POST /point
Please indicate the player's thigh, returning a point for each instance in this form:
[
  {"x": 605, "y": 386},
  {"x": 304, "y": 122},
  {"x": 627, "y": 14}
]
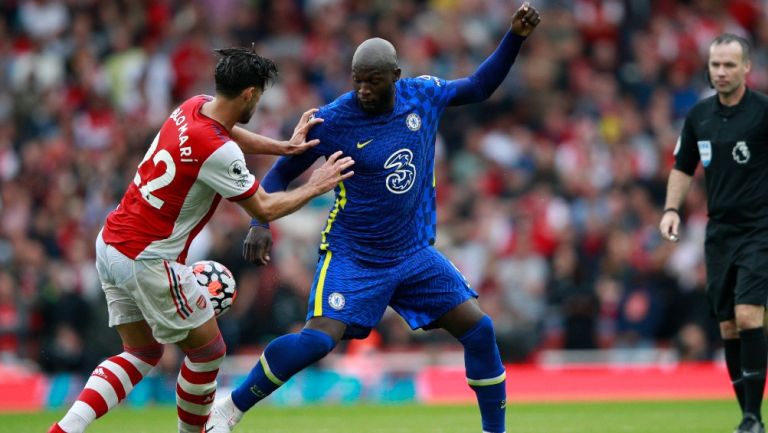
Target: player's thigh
[
  {"x": 113, "y": 269},
  {"x": 721, "y": 271},
  {"x": 347, "y": 291},
  {"x": 136, "y": 334},
  {"x": 430, "y": 287},
  {"x": 200, "y": 336}
]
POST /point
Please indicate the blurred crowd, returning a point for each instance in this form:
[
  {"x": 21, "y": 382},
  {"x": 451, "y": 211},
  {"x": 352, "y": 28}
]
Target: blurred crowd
[{"x": 549, "y": 193}]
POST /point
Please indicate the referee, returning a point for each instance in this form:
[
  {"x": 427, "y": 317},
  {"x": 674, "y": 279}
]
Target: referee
[{"x": 728, "y": 133}]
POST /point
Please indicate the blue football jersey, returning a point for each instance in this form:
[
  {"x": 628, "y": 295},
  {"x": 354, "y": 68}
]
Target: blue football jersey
[{"x": 386, "y": 211}]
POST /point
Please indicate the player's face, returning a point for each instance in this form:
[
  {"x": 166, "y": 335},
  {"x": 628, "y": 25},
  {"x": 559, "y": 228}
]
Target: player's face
[
  {"x": 727, "y": 67},
  {"x": 250, "y": 97},
  {"x": 374, "y": 88}
]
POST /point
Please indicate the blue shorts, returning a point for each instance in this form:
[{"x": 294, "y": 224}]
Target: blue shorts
[{"x": 421, "y": 288}]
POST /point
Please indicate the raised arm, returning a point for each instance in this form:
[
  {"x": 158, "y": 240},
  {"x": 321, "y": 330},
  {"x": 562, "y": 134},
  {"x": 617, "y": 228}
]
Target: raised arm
[{"x": 486, "y": 79}]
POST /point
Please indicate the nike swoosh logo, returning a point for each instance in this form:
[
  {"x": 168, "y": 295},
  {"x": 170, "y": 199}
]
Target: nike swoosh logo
[
  {"x": 363, "y": 144},
  {"x": 207, "y": 429}
]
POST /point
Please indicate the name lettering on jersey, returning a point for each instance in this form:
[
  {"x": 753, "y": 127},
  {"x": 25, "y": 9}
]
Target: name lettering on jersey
[
  {"x": 430, "y": 77},
  {"x": 741, "y": 152},
  {"x": 363, "y": 144},
  {"x": 182, "y": 125},
  {"x": 413, "y": 121}
]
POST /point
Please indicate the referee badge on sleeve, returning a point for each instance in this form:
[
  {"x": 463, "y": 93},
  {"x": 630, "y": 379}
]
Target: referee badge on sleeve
[{"x": 705, "y": 151}]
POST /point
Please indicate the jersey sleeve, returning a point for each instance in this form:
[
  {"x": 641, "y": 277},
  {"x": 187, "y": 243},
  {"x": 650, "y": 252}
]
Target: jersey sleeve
[
  {"x": 322, "y": 132},
  {"x": 436, "y": 89},
  {"x": 686, "y": 151},
  {"x": 226, "y": 173},
  {"x": 489, "y": 75}
]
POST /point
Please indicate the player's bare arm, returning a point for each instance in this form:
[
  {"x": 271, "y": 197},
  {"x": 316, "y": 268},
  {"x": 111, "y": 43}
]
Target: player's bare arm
[
  {"x": 677, "y": 189},
  {"x": 267, "y": 207},
  {"x": 525, "y": 19},
  {"x": 252, "y": 143}
]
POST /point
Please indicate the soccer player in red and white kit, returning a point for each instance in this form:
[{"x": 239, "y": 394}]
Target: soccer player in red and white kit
[{"x": 194, "y": 161}]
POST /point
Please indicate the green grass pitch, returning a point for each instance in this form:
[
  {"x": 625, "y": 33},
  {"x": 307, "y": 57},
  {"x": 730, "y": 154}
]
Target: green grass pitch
[{"x": 623, "y": 417}]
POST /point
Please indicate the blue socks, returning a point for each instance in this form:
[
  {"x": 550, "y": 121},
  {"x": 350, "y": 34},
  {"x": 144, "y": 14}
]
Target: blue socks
[
  {"x": 282, "y": 358},
  {"x": 486, "y": 375},
  {"x": 289, "y": 354}
]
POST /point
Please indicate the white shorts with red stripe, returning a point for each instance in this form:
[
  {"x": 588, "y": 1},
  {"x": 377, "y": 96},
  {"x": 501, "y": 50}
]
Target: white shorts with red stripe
[{"x": 162, "y": 292}]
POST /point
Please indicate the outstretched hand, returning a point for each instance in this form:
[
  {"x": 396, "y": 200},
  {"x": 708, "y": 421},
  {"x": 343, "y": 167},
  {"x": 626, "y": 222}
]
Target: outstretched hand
[
  {"x": 525, "y": 20},
  {"x": 333, "y": 171},
  {"x": 257, "y": 245},
  {"x": 298, "y": 144}
]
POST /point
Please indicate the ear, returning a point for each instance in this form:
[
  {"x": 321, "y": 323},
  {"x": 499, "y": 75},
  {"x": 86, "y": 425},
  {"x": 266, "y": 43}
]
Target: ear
[
  {"x": 396, "y": 74},
  {"x": 748, "y": 66},
  {"x": 248, "y": 93}
]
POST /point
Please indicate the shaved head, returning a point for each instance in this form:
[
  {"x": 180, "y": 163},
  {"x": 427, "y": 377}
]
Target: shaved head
[
  {"x": 375, "y": 53},
  {"x": 374, "y": 74}
]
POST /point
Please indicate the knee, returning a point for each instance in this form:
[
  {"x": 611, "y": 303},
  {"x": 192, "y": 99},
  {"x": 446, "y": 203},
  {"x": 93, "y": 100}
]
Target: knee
[
  {"x": 210, "y": 354},
  {"x": 728, "y": 330},
  {"x": 150, "y": 354},
  {"x": 749, "y": 316},
  {"x": 481, "y": 336},
  {"x": 316, "y": 344}
]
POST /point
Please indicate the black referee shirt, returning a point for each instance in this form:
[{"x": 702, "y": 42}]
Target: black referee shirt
[{"x": 732, "y": 145}]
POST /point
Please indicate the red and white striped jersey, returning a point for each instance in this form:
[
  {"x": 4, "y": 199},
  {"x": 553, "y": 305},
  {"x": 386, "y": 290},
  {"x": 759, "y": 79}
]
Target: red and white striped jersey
[{"x": 190, "y": 165}]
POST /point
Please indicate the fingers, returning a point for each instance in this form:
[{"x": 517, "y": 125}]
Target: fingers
[
  {"x": 264, "y": 259},
  {"x": 669, "y": 230},
  {"x": 308, "y": 125},
  {"x": 257, "y": 253},
  {"x": 528, "y": 15},
  {"x": 306, "y": 116},
  {"x": 332, "y": 159},
  {"x": 249, "y": 252},
  {"x": 344, "y": 163}
]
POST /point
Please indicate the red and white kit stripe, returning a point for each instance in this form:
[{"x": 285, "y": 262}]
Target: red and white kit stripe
[
  {"x": 191, "y": 164},
  {"x": 196, "y": 385},
  {"x": 108, "y": 385}
]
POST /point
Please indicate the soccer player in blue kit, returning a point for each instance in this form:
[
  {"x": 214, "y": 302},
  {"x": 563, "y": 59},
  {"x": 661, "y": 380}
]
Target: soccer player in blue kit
[{"x": 376, "y": 249}]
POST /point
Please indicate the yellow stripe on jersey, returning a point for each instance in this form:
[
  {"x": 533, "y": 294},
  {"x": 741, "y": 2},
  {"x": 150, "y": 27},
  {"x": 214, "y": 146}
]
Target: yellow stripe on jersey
[
  {"x": 268, "y": 372},
  {"x": 341, "y": 201},
  {"x": 487, "y": 382},
  {"x": 321, "y": 284}
]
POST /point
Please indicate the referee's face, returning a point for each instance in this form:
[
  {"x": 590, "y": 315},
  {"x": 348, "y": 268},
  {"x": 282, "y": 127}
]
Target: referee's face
[{"x": 727, "y": 67}]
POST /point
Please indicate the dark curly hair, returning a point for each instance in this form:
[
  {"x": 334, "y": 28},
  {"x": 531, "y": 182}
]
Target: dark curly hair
[{"x": 240, "y": 68}]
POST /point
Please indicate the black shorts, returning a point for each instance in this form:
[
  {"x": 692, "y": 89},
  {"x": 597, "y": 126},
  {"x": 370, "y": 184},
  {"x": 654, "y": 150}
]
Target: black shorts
[{"x": 737, "y": 267}]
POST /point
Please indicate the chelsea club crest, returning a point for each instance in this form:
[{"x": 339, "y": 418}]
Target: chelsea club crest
[
  {"x": 336, "y": 301},
  {"x": 413, "y": 121}
]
